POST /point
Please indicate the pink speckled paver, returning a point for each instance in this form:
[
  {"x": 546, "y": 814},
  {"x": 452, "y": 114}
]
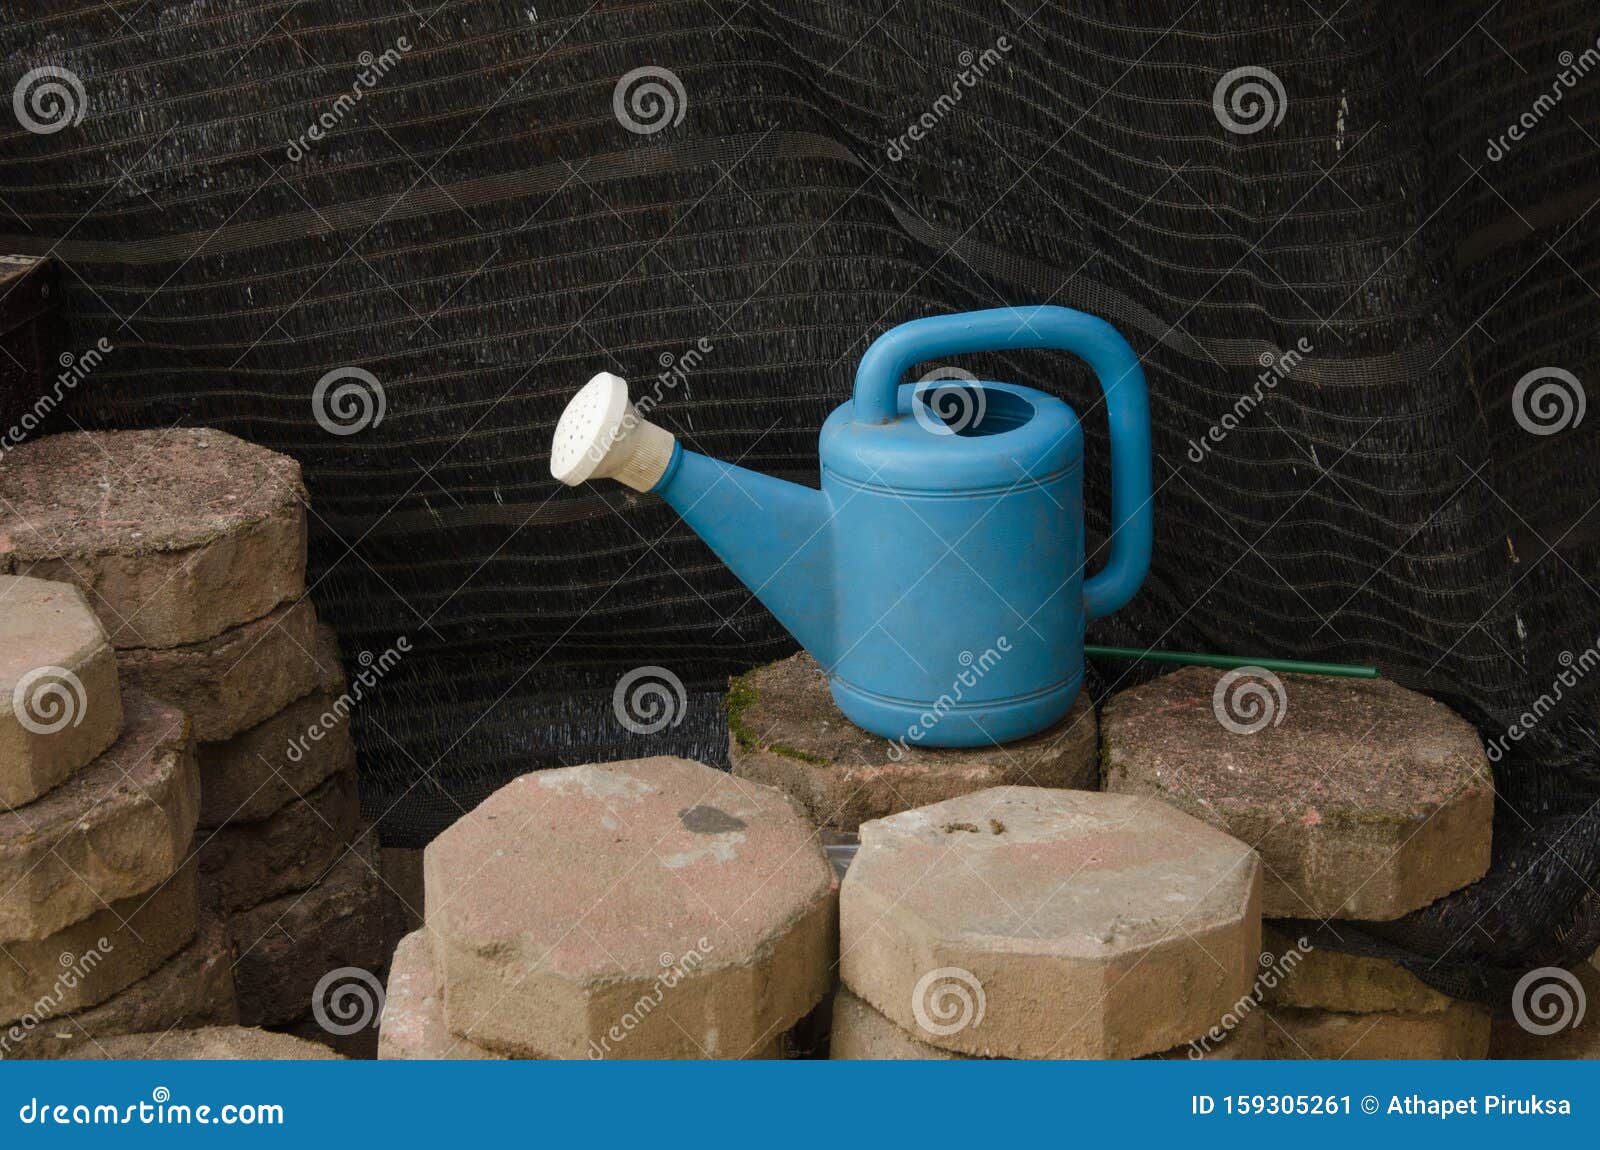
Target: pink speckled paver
[
  {"x": 652, "y": 908},
  {"x": 1024, "y": 922}
]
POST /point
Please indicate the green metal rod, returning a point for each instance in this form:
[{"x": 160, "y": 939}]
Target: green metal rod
[{"x": 1199, "y": 659}]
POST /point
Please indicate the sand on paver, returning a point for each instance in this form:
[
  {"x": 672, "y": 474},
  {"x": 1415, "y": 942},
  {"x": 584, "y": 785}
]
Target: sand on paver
[
  {"x": 174, "y": 536},
  {"x": 208, "y": 1044}
]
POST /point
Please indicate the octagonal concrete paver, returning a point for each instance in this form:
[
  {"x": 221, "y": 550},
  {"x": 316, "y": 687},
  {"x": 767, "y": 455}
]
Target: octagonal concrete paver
[
  {"x": 175, "y": 535},
  {"x": 1021, "y": 922},
  {"x": 59, "y": 701},
  {"x": 784, "y": 730},
  {"x": 651, "y": 908},
  {"x": 117, "y": 828},
  {"x": 1365, "y": 800}
]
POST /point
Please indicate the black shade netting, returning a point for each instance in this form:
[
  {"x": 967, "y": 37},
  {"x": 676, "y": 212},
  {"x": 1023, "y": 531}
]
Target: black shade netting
[{"x": 481, "y": 232}]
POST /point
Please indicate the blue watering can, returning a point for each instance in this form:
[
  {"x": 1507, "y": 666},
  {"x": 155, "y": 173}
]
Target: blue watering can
[{"x": 937, "y": 576}]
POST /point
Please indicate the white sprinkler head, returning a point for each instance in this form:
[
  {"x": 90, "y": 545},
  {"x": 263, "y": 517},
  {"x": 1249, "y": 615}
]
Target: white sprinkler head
[{"x": 601, "y": 435}]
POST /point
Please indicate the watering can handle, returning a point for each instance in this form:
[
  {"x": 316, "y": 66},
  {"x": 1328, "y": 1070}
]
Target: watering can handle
[{"x": 1127, "y": 408}]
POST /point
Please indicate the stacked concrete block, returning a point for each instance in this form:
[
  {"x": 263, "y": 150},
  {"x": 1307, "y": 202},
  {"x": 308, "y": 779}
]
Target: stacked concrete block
[
  {"x": 651, "y": 908},
  {"x": 190, "y": 545},
  {"x": 96, "y": 895},
  {"x": 1365, "y": 801},
  {"x": 1028, "y": 922},
  {"x": 861, "y": 1033},
  {"x": 784, "y": 730}
]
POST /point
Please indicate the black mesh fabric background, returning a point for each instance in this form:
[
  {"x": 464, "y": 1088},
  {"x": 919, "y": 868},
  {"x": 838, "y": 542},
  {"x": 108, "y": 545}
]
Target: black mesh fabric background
[{"x": 481, "y": 233}]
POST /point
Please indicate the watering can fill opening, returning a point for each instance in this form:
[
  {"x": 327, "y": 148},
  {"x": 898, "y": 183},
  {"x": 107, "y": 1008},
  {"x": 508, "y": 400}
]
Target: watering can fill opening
[{"x": 937, "y": 574}]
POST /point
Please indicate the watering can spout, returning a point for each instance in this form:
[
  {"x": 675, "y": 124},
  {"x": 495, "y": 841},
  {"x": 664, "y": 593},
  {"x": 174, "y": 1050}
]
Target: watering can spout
[{"x": 774, "y": 535}]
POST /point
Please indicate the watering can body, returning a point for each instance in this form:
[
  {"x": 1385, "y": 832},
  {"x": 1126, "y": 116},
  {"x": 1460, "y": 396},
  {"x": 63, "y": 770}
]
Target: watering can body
[{"x": 938, "y": 574}]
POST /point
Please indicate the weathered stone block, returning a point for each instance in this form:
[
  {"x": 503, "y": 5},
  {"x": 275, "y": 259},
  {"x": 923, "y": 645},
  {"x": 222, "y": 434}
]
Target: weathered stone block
[
  {"x": 1024, "y": 922},
  {"x": 94, "y": 958},
  {"x": 59, "y": 701},
  {"x": 652, "y": 908},
  {"x": 784, "y": 730},
  {"x": 174, "y": 535},
  {"x": 116, "y": 828},
  {"x": 193, "y": 988},
  {"x": 209, "y": 1044},
  {"x": 235, "y": 680},
  {"x": 249, "y": 863},
  {"x": 1462, "y": 1031},
  {"x": 288, "y": 944},
  {"x": 1365, "y": 800},
  {"x": 284, "y": 757}
]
